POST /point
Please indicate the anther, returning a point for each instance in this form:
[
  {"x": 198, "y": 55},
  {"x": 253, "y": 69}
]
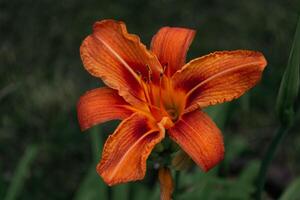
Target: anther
[
  {"x": 145, "y": 79},
  {"x": 149, "y": 69},
  {"x": 138, "y": 73},
  {"x": 161, "y": 74}
]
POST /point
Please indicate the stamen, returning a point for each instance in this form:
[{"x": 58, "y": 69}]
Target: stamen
[
  {"x": 165, "y": 67},
  {"x": 147, "y": 89},
  {"x": 138, "y": 73},
  {"x": 167, "y": 87},
  {"x": 149, "y": 74},
  {"x": 161, "y": 75},
  {"x": 146, "y": 93},
  {"x": 118, "y": 57},
  {"x": 143, "y": 84}
]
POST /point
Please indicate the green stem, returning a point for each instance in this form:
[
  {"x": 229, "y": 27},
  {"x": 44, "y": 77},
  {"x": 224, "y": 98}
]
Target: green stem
[
  {"x": 97, "y": 143},
  {"x": 109, "y": 193},
  {"x": 130, "y": 194},
  {"x": 261, "y": 179},
  {"x": 176, "y": 184}
]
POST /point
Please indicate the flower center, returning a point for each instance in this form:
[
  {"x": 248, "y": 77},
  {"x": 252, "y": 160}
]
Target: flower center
[
  {"x": 163, "y": 100},
  {"x": 173, "y": 113}
]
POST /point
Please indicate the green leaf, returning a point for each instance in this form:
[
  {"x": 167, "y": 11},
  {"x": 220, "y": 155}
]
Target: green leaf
[
  {"x": 120, "y": 191},
  {"x": 289, "y": 86},
  {"x": 143, "y": 192},
  {"x": 234, "y": 147},
  {"x": 21, "y": 173},
  {"x": 245, "y": 102},
  {"x": 293, "y": 191},
  {"x": 218, "y": 113},
  {"x": 154, "y": 195},
  {"x": 2, "y": 184},
  {"x": 249, "y": 173},
  {"x": 92, "y": 187},
  {"x": 97, "y": 143},
  {"x": 208, "y": 186}
]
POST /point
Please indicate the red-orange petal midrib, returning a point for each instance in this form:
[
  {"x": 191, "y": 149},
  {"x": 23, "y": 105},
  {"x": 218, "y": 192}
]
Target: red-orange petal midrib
[
  {"x": 199, "y": 137},
  {"x": 101, "y": 105},
  {"x": 219, "y": 77},
  {"x": 115, "y": 72},
  {"x": 205, "y": 67},
  {"x": 119, "y": 59},
  {"x": 225, "y": 88},
  {"x": 171, "y": 44},
  {"x": 126, "y": 151}
]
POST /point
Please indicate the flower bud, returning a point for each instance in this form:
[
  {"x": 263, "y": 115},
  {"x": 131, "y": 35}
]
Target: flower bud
[{"x": 289, "y": 86}]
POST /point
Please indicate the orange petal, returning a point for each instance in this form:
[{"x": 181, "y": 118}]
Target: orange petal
[
  {"x": 127, "y": 149},
  {"x": 100, "y": 105},
  {"x": 171, "y": 45},
  {"x": 166, "y": 183},
  {"x": 119, "y": 58},
  {"x": 200, "y": 138},
  {"x": 219, "y": 77}
]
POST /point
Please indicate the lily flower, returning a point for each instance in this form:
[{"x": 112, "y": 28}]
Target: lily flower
[{"x": 157, "y": 95}]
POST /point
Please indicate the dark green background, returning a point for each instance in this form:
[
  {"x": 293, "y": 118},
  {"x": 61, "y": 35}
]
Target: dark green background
[{"x": 42, "y": 77}]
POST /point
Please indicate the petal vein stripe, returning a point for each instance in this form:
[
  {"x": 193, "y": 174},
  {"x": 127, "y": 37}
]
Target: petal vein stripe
[
  {"x": 101, "y": 105},
  {"x": 200, "y": 138},
  {"x": 127, "y": 149}
]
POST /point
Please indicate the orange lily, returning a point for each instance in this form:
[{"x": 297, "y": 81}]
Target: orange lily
[{"x": 154, "y": 90}]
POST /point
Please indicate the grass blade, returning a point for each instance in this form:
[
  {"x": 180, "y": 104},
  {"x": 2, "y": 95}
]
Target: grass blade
[
  {"x": 21, "y": 172},
  {"x": 292, "y": 192},
  {"x": 92, "y": 187},
  {"x": 97, "y": 143}
]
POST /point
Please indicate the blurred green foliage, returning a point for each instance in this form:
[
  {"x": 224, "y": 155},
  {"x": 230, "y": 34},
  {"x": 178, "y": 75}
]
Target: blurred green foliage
[
  {"x": 19, "y": 177},
  {"x": 41, "y": 79}
]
